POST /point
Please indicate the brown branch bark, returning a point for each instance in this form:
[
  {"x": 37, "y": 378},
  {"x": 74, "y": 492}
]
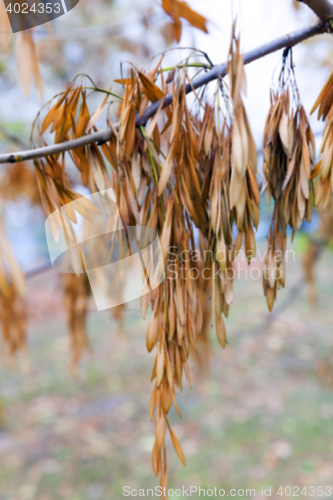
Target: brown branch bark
[
  {"x": 322, "y": 8},
  {"x": 217, "y": 71}
]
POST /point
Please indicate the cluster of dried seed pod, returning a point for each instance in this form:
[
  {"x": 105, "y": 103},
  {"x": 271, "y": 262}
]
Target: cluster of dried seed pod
[
  {"x": 289, "y": 150},
  {"x": 323, "y": 186},
  {"x": 184, "y": 175},
  {"x": 20, "y": 180},
  {"x": 13, "y": 322},
  {"x": 12, "y": 292},
  {"x": 234, "y": 193},
  {"x": 243, "y": 148},
  {"x": 76, "y": 296},
  {"x": 324, "y": 168},
  {"x": 190, "y": 174},
  {"x": 243, "y": 187},
  {"x": 288, "y": 160}
]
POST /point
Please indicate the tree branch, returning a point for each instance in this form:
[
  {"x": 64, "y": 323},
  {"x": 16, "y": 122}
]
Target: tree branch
[
  {"x": 322, "y": 8},
  {"x": 220, "y": 70}
]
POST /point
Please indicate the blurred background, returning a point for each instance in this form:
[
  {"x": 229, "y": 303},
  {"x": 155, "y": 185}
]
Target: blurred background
[{"x": 262, "y": 414}]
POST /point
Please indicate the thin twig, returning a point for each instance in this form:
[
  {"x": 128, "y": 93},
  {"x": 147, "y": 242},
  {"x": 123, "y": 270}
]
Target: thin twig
[{"x": 220, "y": 70}]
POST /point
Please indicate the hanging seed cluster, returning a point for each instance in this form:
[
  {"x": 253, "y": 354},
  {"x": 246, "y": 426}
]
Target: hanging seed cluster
[
  {"x": 17, "y": 180},
  {"x": 324, "y": 186},
  {"x": 288, "y": 149},
  {"x": 20, "y": 180},
  {"x": 243, "y": 189},
  {"x": 234, "y": 194},
  {"x": 76, "y": 296},
  {"x": 190, "y": 174},
  {"x": 12, "y": 292}
]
